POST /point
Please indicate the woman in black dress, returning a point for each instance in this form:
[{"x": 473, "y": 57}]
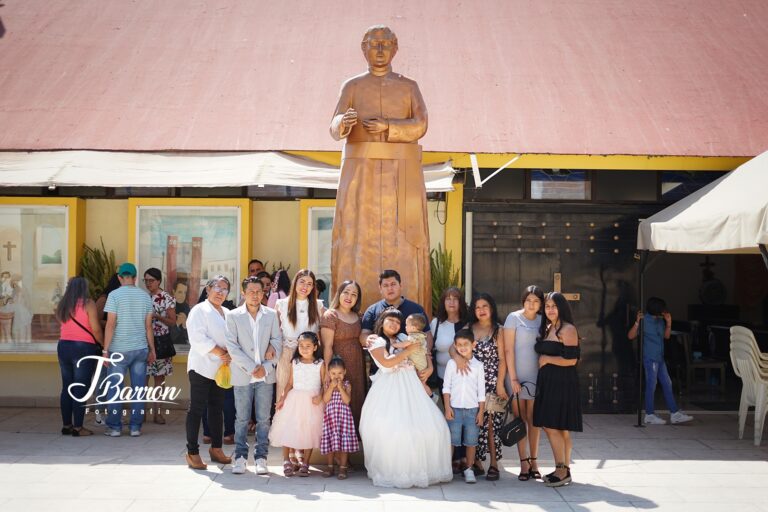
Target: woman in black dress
[{"x": 558, "y": 404}]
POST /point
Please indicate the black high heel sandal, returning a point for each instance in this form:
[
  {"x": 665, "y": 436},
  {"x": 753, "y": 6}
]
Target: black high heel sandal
[
  {"x": 555, "y": 481},
  {"x": 533, "y": 473},
  {"x": 524, "y": 477}
]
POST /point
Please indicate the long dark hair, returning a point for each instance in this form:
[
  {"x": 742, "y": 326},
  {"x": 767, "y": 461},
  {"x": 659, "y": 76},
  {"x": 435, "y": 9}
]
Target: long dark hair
[
  {"x": 112, "y": 285},
  {"x": 314, "y": 313},
  {"x": 442, "y": 314},
  {"x": 75, "y": 295},
  {"x": 564, "y": 314},
  {"x": 316, "y": 355},
  {"x": 337, "y": 298},
  {"x": 281, "y": 282},
  {"x": 494, "y": 312}
]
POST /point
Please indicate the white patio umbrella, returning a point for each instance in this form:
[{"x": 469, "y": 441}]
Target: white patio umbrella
[{"x": 730, "y": 215}]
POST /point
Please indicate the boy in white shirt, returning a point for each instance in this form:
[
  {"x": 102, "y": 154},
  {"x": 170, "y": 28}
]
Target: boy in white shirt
[{"x": 464, "y": 398}]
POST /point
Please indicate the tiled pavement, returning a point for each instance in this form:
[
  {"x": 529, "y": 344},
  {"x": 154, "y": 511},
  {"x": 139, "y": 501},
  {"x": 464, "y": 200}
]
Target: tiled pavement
[{"x": 698, "y": 467}]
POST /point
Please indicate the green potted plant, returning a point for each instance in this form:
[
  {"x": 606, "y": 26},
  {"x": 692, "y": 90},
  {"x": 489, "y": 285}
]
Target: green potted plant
[
  {"x": 97, "y": 266},
  {"x": 443, "y": 273}
]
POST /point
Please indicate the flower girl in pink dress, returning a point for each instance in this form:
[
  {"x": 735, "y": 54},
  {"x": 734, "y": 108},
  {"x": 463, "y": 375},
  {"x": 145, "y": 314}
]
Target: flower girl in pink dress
[{"x": 298, "y": 422}]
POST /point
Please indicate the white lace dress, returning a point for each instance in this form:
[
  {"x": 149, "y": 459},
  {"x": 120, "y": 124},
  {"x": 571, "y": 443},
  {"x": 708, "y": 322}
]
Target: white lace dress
[{"x": 405, "y": 436}]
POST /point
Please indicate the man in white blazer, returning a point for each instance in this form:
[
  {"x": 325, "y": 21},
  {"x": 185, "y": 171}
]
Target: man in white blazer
[{"x": 254, "y": 342}]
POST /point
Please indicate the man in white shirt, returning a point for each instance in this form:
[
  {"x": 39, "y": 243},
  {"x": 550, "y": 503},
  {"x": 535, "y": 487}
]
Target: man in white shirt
[
  {"x": 254, "y": 341},
  {"x": 464, "y": 398}
]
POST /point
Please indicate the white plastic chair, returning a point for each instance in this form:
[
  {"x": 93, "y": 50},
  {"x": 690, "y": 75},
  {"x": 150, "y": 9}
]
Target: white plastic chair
[
  {"x": 754, "y": 389},
  {"x": 760, "y": 359},
  {"x": 749, "y": 336}
]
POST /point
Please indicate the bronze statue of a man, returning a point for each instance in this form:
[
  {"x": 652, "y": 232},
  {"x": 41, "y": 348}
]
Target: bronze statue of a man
[{"x": 381, "y": 208}]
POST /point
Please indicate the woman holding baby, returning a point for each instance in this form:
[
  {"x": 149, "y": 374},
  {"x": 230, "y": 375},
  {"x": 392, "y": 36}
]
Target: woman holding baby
[{"x": 405, "y": 438}]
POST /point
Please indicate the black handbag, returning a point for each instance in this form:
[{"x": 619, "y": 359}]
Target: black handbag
[
  {"x": 514, "y": 431},
  {"x": 164, "y": 348}
]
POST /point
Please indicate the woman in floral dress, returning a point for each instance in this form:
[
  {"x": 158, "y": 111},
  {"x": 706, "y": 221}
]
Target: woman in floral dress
[
  {"x": 163, "y": 317},
  {"x": 484, "y": 322}
]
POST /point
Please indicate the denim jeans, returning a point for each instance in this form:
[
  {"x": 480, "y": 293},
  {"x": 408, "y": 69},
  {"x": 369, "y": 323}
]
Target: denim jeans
[
  {"x": 70, "y": 353},
  {"x": 229, "y": 415},
  {"x": 257, "y": 395},
  {"x": 464, "y": 419},
  {"x": 657, "y": 371},
  {"x": 135, "y": 364}
]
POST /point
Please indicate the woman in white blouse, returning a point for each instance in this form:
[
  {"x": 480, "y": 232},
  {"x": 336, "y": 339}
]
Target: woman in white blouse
[
  {"x": 206, "y": 327},
  {"x": 299, "y": 312},
  {"x": 450, "y": 318}
]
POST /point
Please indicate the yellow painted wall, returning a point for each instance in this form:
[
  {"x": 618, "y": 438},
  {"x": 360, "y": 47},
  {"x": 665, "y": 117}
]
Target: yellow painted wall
[
  {"x": 108, "y": 219},
  {"x": 436, "y": 215},
  {"x": 276, "y": 233}
]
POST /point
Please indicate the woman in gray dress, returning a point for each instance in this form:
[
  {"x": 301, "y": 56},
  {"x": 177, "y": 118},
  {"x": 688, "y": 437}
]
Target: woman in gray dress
[{"x": 520, "y": 332}]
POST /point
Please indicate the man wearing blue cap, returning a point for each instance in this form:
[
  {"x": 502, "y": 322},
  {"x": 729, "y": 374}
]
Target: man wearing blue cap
[{"x": 128, "y": 332}]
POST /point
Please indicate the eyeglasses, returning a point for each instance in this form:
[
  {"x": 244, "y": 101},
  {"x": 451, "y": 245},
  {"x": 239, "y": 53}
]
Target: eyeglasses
[{"x": 219, "y": 289}]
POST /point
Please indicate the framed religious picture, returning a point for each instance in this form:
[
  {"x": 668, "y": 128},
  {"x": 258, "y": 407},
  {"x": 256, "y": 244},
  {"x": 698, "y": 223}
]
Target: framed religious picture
[
  {"x": 39, "y": 238},
  {"x": 190, "y": 241}
]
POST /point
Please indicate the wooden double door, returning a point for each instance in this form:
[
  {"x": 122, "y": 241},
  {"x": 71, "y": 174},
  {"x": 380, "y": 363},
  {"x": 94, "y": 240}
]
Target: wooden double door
[{"x": 590, "y": 250}]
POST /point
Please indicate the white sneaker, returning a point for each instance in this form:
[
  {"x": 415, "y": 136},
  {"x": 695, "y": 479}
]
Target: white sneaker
[
  {"x": 112, "y": 432},
  {"x": 680, "y": 417},
  {"x": 652, "y": 419},
  {"x": 469, "y": 476},
  {"x": 261, "y": 467},
  {"x": 238, "y": 468},
  {"x": 135, "y": 432}
]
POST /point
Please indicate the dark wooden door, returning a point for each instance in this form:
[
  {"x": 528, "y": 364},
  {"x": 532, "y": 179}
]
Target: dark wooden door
[{"x": 592, "y": 248}]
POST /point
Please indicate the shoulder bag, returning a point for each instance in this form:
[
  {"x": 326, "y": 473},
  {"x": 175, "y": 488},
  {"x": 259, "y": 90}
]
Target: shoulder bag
[
  {"x": 164, "y": 348},
  {"x": 514, "y": 431}
]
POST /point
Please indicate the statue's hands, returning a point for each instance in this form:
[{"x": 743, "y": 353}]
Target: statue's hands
[
  {"x": 375, "y": 125},
  {"x": 349, "y": 119}
]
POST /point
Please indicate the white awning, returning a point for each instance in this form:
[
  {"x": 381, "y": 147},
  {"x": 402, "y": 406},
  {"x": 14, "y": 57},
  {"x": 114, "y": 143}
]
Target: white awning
[
  {"x": 729, "y": 215},
  {"x": 124, "y": 169}
]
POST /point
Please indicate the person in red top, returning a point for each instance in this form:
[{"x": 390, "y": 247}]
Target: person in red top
[{"x": 80, "y": 336}]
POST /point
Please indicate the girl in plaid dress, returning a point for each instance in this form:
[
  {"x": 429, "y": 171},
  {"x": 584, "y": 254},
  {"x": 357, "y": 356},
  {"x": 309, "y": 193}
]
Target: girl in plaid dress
[{"x": 339, "y": 436}]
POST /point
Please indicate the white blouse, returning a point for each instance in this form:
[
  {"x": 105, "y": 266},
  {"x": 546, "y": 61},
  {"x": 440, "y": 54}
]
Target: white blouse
[
  {"x": 207, "y": 329},
  {"x": 443, "y": 343},
  {"x": 291, "y": 332}
]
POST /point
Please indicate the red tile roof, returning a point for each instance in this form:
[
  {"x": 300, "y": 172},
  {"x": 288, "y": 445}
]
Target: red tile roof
[{"x": 650, "y": 77}]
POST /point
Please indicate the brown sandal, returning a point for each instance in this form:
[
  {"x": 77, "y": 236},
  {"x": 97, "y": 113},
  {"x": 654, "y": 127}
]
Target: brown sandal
[
  {"x": 342, "y": 472},
  {"x": 329, "y": 472},
  {"x": 304, "y": 470},
  {"x": 288, "y": 468}
]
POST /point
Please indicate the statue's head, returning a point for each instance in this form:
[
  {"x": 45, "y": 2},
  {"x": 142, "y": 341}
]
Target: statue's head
[{"x": 379, "y": 46}]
